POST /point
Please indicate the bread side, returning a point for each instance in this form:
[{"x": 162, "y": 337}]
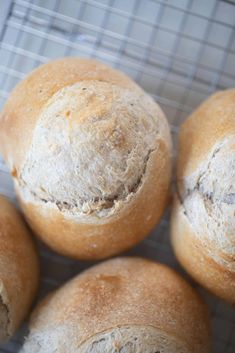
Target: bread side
[
  {"x": 203, "y": 222},
  {"x": 197, "y": 257},
  {"x": 206, "y": 174},
  {"x": 19, "y": 269},
  {"x": 208, "y": 198}
]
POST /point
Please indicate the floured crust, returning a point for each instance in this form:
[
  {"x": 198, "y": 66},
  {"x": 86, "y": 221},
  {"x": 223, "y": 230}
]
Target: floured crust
[
  {"x": 208, "y": 197},
  {"x": 80, "y": 139},
  {"x": 124, "y": 339},
  {"x": 97, "y": 238},
  {"x": 128, "y": 303},
  {"x": 90, "y": 148},
  {"x": 198, "y": 258},
  {"x": 19, "y": 269},
  {"x": 129, "y": 339},
  {"x": 205, "y": 203}
]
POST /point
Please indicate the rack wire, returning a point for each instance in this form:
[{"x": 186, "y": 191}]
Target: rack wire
[{"x": 179, "y": 51}]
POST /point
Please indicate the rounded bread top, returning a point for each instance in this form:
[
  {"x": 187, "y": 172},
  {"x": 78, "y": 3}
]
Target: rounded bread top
[
  {"x": 25, "y": 104},
  {"x": 120, "y": 298}
]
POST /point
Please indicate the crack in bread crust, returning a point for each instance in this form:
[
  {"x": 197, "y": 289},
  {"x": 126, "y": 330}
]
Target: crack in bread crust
[
  {"x": 123, "y": 339},
  {"x": 208, "y": 200},
  {"x": 133, "y": 338},
  {"x": 228, "y": 198},
  {"x": 106, "y": 202}
]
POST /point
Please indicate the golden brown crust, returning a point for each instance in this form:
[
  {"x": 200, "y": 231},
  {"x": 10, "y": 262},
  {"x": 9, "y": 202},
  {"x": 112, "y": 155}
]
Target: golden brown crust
[
  {"x": 206, "y": 126},
  {"x": 19, "y": 267},
  {"x": 118, "y": 293},
  {"x": 105, "y": 238},
  {"x": 195, "y": 258}
]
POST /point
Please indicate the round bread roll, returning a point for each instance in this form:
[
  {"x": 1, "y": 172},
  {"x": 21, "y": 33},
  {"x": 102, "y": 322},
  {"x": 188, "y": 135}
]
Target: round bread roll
[
  {"x": 125, "y": 305},
  {"x": 19, "y": 269},
  {"x": 203, "y": 216},
  {"x": 90, "y": 154}
]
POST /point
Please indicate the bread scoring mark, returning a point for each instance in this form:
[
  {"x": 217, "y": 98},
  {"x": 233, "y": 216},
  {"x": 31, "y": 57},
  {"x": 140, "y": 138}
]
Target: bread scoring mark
[
  {"x": 102, "y": 203},
  {"x": 228, "y": 198},
  {"x": 187, "y": 192},
  {"x": 95, "y": 161},
  {"x": 133, "y": 338},
  {"x": 207, "y": 198},
  {"x": 120, "y": 339}
]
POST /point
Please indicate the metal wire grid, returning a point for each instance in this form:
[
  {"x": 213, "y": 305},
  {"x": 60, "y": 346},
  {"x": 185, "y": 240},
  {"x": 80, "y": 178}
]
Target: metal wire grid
[{"x": 179, "y": 51}]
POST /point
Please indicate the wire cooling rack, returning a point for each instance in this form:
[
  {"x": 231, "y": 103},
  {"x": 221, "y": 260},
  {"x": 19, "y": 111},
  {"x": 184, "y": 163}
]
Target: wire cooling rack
[{"x": 179, "y": 51}]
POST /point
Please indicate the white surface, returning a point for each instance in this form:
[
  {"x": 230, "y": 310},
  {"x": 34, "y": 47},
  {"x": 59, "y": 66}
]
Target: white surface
[{"x": 178, "y": 50}]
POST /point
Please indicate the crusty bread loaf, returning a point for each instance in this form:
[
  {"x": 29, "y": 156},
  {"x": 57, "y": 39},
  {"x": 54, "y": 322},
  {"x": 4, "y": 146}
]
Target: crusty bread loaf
[
  {"x": 203, "y": 216},
  {"x": 90, "y": 154},
  {"x": 125, "y": 305},
  {"x": 19, "y": 269}
]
